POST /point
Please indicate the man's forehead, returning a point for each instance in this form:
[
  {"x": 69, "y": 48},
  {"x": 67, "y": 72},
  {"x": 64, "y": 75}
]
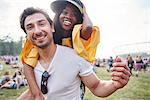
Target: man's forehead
[{"x": 34, "y": 18}]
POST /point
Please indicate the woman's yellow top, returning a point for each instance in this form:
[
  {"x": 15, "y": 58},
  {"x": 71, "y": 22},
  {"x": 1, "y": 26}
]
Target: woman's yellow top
[{"x": 85, "y": 48}]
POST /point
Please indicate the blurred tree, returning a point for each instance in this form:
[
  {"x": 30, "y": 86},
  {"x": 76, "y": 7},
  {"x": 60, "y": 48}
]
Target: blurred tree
[{"x": 9, "y": 47}]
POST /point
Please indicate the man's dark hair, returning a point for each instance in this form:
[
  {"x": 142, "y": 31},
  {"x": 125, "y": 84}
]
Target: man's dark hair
[{"x": 30, "y": 11}]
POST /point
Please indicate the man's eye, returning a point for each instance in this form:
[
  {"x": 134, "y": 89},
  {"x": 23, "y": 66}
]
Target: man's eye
[
  {"x": 42, "y": 23},
  {"x": 29, "y": 27}
]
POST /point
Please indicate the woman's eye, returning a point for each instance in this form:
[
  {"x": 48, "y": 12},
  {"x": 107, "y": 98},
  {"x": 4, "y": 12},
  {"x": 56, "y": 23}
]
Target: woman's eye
[
  {"x": 75, "y": 14},
  {"x": 65, "y": 12}
]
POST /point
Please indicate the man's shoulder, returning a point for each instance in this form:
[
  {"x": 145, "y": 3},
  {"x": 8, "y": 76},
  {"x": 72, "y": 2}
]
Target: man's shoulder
[
  {"x": 67, "y": 51},
  {"x": 70, "y": 55}
]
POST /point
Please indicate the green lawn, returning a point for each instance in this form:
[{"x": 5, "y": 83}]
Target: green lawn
[{"x": 138, "y": 88}]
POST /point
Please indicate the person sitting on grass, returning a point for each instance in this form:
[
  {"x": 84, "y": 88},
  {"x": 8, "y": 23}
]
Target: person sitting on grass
[
  {"x": 11, "y": 84},
  {"x": 5, "y": 78}
]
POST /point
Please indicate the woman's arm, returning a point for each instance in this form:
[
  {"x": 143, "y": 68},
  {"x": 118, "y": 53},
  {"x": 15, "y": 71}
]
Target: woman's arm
[
  {"x": 86, "y": 26},
  {"x": 29, "y": 74}
]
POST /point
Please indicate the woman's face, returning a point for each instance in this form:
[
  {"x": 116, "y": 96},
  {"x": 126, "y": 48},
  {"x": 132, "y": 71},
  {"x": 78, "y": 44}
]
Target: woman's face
[{"x": 68, "y": 18}]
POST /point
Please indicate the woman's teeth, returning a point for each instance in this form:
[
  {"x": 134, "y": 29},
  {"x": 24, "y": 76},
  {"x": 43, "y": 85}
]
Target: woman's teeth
[{"x": 66, "y": 22}]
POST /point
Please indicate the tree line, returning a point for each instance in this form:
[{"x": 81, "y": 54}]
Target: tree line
[{"x": 10, "y": 47}]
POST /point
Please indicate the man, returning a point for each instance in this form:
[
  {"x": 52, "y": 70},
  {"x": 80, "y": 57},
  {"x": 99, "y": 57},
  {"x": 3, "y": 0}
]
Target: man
[
  {"x": 110, "y": 64},
  {"x": 60, "y": 70}
]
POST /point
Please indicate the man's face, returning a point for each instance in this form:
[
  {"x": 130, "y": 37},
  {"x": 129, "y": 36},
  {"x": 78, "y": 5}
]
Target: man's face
[
  {"x": 38, "y": 30},
  {"x": 68, "y": 18}
]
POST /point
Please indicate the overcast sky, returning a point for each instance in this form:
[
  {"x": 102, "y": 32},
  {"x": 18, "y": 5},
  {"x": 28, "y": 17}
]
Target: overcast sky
[{"x": 121, "y": 22}]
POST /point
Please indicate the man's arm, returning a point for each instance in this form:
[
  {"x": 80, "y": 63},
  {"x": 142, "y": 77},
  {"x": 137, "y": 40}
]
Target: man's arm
[
  {"x": 101, "y": 88},
  {"x": 29, "y": 74}
]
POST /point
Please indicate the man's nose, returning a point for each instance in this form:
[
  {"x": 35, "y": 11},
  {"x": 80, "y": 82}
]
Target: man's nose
[{"x": 37, "y": 29}]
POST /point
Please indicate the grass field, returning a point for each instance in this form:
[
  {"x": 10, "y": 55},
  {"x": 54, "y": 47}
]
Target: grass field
[{"x": 138, "y": 88}]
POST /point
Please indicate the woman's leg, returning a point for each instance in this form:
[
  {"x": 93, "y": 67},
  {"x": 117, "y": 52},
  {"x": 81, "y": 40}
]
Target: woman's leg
[{"x": 27, "y": 95}]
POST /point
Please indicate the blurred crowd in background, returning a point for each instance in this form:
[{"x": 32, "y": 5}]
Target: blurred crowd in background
[
  {"x": 136, "y": 63},
  {"x": 16, "y": 79},
  {"x": 11, "y": 79}
]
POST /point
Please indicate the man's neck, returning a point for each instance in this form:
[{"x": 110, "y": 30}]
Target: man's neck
[{"x": 46, "y": 55}]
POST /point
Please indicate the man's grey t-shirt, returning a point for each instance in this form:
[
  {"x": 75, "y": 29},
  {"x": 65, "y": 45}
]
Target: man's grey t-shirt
[{"x": 65, "y": 70}]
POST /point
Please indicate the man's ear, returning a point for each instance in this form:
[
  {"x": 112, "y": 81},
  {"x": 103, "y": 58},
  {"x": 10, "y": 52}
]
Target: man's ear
[
  {"x": 28, "y": 38},
  {"x": 53, "y": 29}
]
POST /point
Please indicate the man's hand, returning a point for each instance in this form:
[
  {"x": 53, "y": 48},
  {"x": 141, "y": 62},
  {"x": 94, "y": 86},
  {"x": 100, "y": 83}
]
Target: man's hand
[
  {"x": 39, "y": 97},
  {"x": 120, "y": 74}
]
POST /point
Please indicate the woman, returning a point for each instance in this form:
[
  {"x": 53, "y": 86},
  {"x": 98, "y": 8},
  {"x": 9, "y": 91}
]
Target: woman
[
  {"x": 73, "y": 28},
  {"x": 130, "y": 63},
  {"x": 138, "y": 64}
]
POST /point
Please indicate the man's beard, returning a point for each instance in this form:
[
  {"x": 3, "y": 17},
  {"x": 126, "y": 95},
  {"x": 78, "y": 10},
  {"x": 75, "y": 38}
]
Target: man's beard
[{"x": 42, "y": 46}]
